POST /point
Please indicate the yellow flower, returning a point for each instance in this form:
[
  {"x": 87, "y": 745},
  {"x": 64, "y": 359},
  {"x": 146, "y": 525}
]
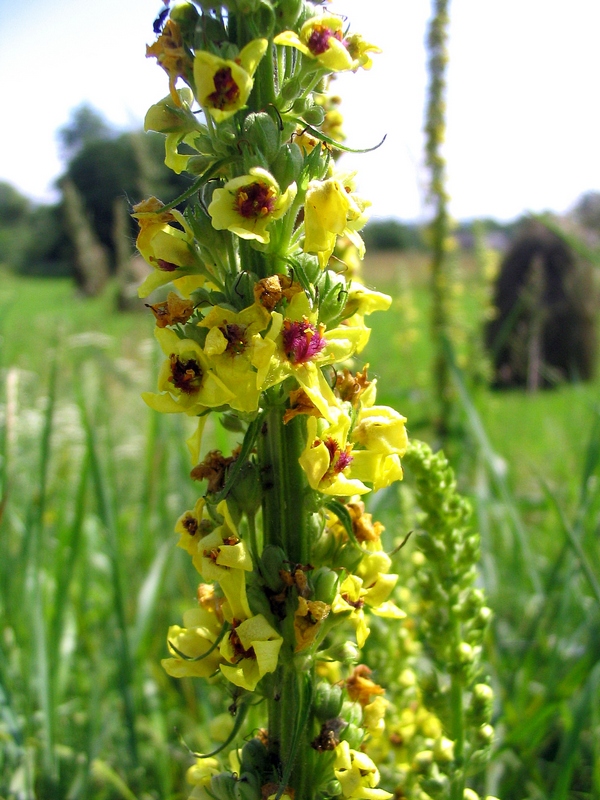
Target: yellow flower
[
  {"x": 192, "y": 526},
  {"x": 168, "y": 249},
  {"x": 359, "y": 49},
  {"x": 178, "y": 123},
  {"x": 357, "y": 774},
  {"x": 247, "y": 205},
  {"x": 201, "y": 629},
  {"x": 237, "y": 351},
  {"x": 252, "y": 648},
  {"x": 381, "y": 429},
  {"x": 202, "y": 771},
  {"x": 327, "y": 459},
  {"x": 185, "y": 382},
  {"x": 354, "y": 595},
  {"x": 223, "y": 86},
  {"x": 222, "y": 556},
  {"x": 321, "y": 38},
  {"x": 374, "y": 716},
  {"x": 332, "y": 209},
  {"x": 303, "y": 348}
]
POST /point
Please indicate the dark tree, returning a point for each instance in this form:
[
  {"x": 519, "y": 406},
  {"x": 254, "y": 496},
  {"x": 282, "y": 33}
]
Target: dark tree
[{"x": 544, "y": 330}]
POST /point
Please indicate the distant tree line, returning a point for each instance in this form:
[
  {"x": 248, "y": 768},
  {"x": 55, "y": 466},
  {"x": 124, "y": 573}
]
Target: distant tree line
[{"x": 102, "y": 165}]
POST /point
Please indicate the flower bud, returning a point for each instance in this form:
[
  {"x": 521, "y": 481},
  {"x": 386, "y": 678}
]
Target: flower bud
[
  {"x": 246, "y": 491},
  {"x": 166, "y": 117},
  {"x": 290, "y": 90},
  {"x": 196, "y": 165},
  {"x": 353, "y": 735},
  {"x": 247, "y": 787},
  {"x": 485, "y": 735},
  {"x": 347, "y": 652},
  {"x": 254, "y": 756},
  {"x": 443, "y": 750},
  {"x": 262, "y": 134},
  {"x": 351, "y": 712},
  {"x": 482, "y": 700},
  {"x": 326, "y": 583},
  {"x": 334, "y": 788},
  {"x": 328, "y": 701},
  {"x": 287, "y": 15},
  {"x": 435, "y": 786},
  {"x": 222, "y": 786},
  {"x": 333, "y": 294},
  {"x": 314, "y": 115},
  {"x": 469, "y": 794},
  {"x": 287, "y": 165},
  {"x": 407, "y": 678},
  {"x": 434, "y": 549},
  {"x": 422, "y": 762}
]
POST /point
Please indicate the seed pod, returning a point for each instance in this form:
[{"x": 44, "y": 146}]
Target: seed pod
[
  {"x": 328, "y": 701},
  {"x": 271, "y": 563}
]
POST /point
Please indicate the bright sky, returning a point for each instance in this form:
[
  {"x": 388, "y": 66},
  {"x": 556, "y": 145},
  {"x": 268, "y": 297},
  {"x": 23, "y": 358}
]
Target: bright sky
[{"x": 523, "y": 116}]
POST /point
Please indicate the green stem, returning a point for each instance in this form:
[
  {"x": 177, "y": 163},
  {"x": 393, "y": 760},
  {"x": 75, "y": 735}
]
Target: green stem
[
  {"x": 286, "y": 525},
  {"x": 285, "y": 489}
]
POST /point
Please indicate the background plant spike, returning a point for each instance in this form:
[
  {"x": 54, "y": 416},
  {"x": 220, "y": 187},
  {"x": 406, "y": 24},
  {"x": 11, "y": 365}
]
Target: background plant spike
[{"x": 294, "y": 573}]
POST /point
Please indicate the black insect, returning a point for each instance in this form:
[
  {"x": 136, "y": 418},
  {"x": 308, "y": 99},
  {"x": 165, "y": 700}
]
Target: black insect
[{"x": 160, "y": 20}]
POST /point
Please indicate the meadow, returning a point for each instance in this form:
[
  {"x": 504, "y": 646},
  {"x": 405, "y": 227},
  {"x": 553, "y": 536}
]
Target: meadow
[{"x": 91, "y": 483}]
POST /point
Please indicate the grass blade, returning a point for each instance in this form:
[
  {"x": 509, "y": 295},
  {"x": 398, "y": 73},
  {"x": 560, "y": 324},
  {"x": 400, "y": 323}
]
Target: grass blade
[{"x": 107, "y": 516}]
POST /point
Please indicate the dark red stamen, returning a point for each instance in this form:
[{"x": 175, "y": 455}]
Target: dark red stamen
[
  {"x": 191, "y": 525},
  {"x": 226, "y": 91},
  {"x": 318, "y": 41},
  {"x": 236, "y": 338},
  {"x": 255, "y": 200},
  {"x": 185, "y": 375}
]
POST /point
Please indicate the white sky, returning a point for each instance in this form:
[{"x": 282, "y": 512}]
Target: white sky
[{"x": 523, "y": 115}]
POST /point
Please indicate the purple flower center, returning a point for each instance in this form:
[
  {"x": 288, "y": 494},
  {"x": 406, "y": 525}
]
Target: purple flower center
[
  {"x": 301, "y": 340},
  {"x": 226, "y": 91},
  {"x": 338, "y": 459},
  {"x": 236, "y": 338},
  {"x": 255, "y": 200},
  {"x": 186, "y": 375},
  {"x": 318, "y": 41}
]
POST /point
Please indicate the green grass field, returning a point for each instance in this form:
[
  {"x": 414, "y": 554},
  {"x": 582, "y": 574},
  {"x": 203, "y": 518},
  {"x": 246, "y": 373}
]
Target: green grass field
[{"x": 91, "y": 483}]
